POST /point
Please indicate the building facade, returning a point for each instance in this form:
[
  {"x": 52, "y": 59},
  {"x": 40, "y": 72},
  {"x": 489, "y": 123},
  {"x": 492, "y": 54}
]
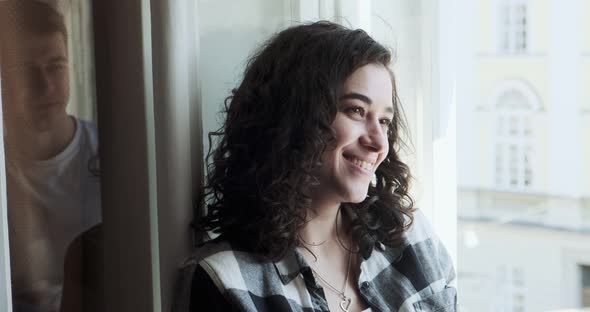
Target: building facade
[{"x": 523, "y": 154}]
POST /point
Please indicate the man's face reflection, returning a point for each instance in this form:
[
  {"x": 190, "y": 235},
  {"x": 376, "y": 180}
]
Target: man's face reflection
[{"x": 36, "y": 82}]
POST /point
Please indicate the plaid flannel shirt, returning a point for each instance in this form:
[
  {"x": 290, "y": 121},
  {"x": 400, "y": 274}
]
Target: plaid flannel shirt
[{"x": 418, "y": 276}]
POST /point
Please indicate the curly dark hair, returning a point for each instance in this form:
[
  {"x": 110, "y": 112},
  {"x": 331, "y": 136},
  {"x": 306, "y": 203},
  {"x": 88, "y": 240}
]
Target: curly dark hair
[{"x": 278, "y": 124}]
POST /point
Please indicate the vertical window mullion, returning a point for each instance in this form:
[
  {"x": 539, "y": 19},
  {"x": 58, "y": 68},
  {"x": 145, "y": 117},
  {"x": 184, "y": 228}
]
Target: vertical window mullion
[{"x": 5, "y": 279}]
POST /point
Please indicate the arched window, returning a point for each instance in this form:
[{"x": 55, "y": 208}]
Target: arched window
[{"x": 514, "y": 140}]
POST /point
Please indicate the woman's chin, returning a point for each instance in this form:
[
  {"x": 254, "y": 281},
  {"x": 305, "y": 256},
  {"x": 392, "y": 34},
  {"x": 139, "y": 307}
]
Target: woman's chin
[{"x": 357, "y": 197}]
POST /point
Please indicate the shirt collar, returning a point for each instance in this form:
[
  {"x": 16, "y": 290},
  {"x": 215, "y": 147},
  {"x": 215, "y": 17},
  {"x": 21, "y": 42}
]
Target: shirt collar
[{"x": 290, "y": 266}]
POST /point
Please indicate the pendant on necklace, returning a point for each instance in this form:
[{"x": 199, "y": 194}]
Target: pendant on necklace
[{"x": 345, "y": 303}]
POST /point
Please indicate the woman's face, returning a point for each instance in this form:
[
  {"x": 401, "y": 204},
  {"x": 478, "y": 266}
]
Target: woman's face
[{"x": 365, "y": 111}]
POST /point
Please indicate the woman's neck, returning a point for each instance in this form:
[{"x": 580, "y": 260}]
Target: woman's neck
[{"x": 324, "y": 224}]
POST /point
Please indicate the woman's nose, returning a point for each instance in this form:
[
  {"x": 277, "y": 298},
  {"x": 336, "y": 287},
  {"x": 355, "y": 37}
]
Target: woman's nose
[{"x": 375, "y": 137}]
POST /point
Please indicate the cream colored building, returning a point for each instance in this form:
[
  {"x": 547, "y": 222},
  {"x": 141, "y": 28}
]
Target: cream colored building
[{"x": 524, "y": 156}]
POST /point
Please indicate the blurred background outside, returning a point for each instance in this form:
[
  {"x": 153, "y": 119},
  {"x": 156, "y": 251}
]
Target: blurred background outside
[{"x": 523, "y": 133}]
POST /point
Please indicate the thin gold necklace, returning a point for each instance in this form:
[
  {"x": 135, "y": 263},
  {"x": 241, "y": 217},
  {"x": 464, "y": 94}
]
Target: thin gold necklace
[
  {"x": 346, "y": 301},
  {"x": 310, "y": 244}
]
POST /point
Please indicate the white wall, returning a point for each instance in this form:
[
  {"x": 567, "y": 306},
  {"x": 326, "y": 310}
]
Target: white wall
[
  {"x": 563, "y": 108},
  {"x": 549, "y": 260}
]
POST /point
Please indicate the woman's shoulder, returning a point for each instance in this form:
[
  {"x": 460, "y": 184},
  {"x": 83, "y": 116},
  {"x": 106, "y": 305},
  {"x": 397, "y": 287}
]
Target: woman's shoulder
[
  {"x": 211, "y": 248},
  {"x": 198, "y": 287},
  {"x": 203, "y": 266},
  {"x": 420, "y": 235},
  {"x": 223, "y": 260},
  {"x": 214, "y": 252},
  {"x": 423, "y": 245},
  {"x": 231, "y": 271},
  {"x": 425, "y": 264},
  {"x": 220, "y": 250},
  {"x": 420, "y": 230}
]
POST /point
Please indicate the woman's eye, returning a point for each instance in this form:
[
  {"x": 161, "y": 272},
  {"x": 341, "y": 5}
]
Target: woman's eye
[
  {"x": 385, "y": 122},
  {"x": 357, "y": 110}
]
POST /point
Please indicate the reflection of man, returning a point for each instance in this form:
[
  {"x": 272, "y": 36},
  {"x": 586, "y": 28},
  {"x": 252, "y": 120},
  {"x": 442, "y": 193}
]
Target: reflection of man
[{"x": 53, "y": 196}]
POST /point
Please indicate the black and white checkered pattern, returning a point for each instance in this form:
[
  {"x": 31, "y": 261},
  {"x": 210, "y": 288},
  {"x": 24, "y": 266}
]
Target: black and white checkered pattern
[{"x": 418, "y": 276}]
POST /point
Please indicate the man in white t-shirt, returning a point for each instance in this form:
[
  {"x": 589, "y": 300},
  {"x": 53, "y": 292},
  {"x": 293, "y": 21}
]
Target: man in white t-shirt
[{"x": 51, "y": 157}]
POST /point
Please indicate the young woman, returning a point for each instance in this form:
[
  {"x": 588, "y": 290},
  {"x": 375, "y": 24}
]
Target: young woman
[{"x": 307, "y": 192}]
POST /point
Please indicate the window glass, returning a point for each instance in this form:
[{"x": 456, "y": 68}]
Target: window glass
[
  {"x": 51, "y": 152},
  {"x": 229, "y": 31},
  {"x": 523, "y": 227},
  {"x": 512, "y": 25}
]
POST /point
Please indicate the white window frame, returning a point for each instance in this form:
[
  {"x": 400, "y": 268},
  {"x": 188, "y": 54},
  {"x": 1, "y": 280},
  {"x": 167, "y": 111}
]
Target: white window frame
[
  {"x": 524, "y": 148},
  {"x": 536, "y": 107},
  {"x": 442, "y": 111},
  {"x": 509, "y": 290},
  {"x": 5, "y": 279},
  {"x": 506, "y": 33}
]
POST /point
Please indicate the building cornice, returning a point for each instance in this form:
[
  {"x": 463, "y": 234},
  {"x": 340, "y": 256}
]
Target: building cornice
[
  {"x": 523, "y": 193},
  {"x": 501, "y": 55},
  {"x": 521, "y": 223}
]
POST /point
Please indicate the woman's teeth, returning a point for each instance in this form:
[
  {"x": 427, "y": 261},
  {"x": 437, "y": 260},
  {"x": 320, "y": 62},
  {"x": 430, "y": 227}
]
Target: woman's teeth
[{"x": 363, "y": 164}]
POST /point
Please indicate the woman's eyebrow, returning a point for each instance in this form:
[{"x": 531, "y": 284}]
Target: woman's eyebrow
[
  {"x": 356, "y": 96},
  {"x": 362, "y": 97}
]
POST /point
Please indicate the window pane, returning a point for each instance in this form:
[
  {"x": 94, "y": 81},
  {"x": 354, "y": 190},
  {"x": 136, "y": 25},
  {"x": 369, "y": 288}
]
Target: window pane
[
  {"x": 521, "y": 238},
  {"x": 512, "y": 25},
  {"x": 51, "y": 141},
  {"x": 229, "y": 33}
]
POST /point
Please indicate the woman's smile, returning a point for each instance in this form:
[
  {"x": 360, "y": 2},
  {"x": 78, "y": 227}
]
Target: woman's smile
[{"x": 361, "y": 166}]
